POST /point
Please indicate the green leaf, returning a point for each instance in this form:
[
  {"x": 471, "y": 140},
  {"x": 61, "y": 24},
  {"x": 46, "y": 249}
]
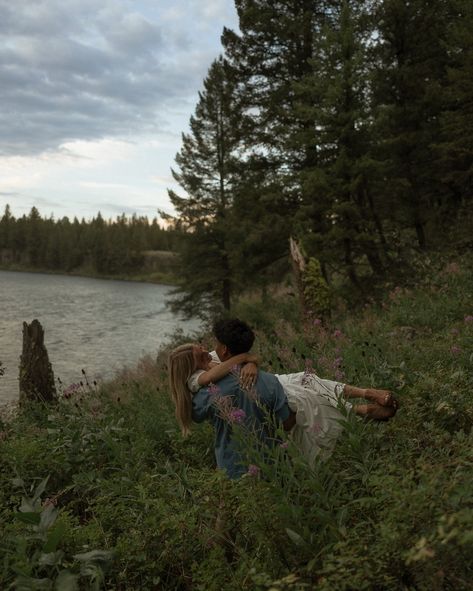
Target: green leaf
[
  {"x": 295, "y": 537},
  {"x": 66, "y": 581},
  {"x": 51, "y": 558},
  {"x": 48, "y": 517},
  {"x": 29, "y": 505},
  {"x": 54, "y": 537},
  {"x": 40, "y": 488},
  {"x": 29, "y": 517}
]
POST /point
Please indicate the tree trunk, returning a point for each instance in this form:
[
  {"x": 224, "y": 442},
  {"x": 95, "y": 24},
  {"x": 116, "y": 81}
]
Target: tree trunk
[{"x": 36, "y": 374}]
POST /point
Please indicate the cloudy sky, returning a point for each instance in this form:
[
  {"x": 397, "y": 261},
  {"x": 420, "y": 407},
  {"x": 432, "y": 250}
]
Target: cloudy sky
[{"x": 94, "y": 96}]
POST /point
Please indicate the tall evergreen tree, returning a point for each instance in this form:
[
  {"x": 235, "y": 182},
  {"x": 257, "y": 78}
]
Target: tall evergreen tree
[
  {"x": 411, "y": 60},
  {"x": 208, "y": 173},
  {"x": 344, "y": 229},
  {"x": 271, "y": 52},
  {"x": 455, "y": 146}
]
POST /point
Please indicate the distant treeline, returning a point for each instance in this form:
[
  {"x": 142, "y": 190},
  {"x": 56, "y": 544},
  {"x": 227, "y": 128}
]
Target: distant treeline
[
  {"x": 346, "y": 123},
  {"x": 103, "y": 246}
]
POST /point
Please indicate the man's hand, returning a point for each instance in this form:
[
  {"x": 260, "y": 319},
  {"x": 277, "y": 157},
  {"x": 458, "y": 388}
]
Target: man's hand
[{"x": 248, "y": 375}]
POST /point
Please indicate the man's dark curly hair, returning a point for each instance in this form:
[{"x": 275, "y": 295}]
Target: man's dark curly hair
[{"x": 235, "y": 334}]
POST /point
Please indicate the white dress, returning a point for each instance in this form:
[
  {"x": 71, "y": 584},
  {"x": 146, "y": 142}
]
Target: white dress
[
  {"x": 320, "y": 411},
  {"x": 318, "y": 405}
]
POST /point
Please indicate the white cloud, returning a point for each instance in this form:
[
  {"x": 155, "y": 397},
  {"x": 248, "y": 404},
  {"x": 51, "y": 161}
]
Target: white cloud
[{"x": 95, "y": 95}]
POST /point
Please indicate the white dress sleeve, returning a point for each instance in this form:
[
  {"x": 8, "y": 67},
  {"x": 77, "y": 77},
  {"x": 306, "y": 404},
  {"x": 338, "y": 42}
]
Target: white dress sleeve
[{"x": 193, "y": 381}]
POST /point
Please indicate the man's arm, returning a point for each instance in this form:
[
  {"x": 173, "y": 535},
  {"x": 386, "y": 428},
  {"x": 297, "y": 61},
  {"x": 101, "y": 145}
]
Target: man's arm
[{"x": 201, "y": 405}]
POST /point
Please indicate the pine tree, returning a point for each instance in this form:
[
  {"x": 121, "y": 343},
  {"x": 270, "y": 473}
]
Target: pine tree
[
  {"x": 270, "y": 54},
  {"x": 208, "y": 173},
  {"x": 342, "y": 225},
  {"x": 411, "y": 60},
  {"x": 455, "y": 146}
]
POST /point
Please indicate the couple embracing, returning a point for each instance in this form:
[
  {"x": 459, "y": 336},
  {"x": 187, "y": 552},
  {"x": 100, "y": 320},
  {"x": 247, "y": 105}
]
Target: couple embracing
[{"x": 227, "y": 387}]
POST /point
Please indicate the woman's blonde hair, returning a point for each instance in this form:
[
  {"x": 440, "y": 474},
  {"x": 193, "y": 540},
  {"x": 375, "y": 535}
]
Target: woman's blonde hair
[{"x": 181, "y": 366}]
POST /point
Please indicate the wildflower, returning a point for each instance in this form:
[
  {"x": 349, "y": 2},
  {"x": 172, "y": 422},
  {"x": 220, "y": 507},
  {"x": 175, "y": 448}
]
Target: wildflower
[
  {"x": 253, "y": 470},
  {"x": 468, "y": 319},
  {"x": 71, "y": 390},
  {"x": 455, "y": 331},
  {"x": 317, "y": 321},
  {"x": 237, "y": 415},
  {"x": 337, "y": 333},
  {"x": 455, "y": 350},
  {"x": 284, "y": 445}
]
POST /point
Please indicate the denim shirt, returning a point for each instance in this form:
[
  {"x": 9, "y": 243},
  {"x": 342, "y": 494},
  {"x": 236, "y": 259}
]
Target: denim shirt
[{"x": 270, "y": 400}]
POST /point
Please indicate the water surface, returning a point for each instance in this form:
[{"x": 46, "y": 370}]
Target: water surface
[{"x": 92, "y": 324}]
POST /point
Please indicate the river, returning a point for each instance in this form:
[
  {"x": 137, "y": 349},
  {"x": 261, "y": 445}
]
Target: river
[{"x": 97, "y": 325}]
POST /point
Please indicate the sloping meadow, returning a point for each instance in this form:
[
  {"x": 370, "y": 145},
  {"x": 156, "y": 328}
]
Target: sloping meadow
[{"x": 101, "y": 491}]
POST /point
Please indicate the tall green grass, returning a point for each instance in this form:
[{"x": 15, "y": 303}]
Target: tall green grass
[{"x": 101, "y": 492}]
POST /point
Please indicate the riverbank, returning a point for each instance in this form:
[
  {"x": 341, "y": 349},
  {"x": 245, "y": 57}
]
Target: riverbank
[
  {"x": 112, "y": 492},
  {"x": 156, "y": 277}
]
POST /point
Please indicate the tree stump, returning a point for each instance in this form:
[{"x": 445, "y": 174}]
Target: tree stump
[
  {"x": 36, "y": 374},
  {"x": 314, "y": 293}
]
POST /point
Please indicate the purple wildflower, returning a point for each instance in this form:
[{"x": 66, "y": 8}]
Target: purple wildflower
[
  {"x": 455, "y": 350},
  {"x": 317, "y": 321},
  {"x": 71, "y": 390},
  {"x": 284, "y": 445},
  {"x": 237, "y": 415},
  {"x": 337, "y": 333},
  {"x": 253, "y": 470},
  {"x": 468, "y": 319}
]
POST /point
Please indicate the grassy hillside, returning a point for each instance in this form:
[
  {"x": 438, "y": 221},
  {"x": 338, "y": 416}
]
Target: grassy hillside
[{"x": 101, "y": 491}]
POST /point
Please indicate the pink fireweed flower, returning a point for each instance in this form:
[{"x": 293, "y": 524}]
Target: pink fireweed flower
[
  {"x": 337, "y": 334},
  {"x": 253, "y": 470},
  {"x": 237, "y": 415},
  {"x": 455, "y": 350},
  {"x": 468, "y": 319},
  {"x": 71, "y": 390},
  {"x": 317, "y": 321}
]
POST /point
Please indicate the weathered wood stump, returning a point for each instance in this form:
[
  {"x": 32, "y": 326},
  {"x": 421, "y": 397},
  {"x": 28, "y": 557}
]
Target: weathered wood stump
[
  {"x": 36, "y": 373},
  {"x": 314, "y": 293}
]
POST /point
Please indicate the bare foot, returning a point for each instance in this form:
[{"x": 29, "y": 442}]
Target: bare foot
[
  {"x": 375, "y": 412},
  {"x": 381, "y": 397}
]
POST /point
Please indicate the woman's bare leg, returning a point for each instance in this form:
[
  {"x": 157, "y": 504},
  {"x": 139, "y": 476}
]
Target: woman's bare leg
[
  {"x": 380, "y": 397},
  {"x": 374, "y": 411}
]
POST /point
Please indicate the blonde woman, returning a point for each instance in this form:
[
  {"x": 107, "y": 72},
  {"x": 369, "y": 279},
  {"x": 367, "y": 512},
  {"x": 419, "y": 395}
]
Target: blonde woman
[{"x": 192, "y": 367}]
